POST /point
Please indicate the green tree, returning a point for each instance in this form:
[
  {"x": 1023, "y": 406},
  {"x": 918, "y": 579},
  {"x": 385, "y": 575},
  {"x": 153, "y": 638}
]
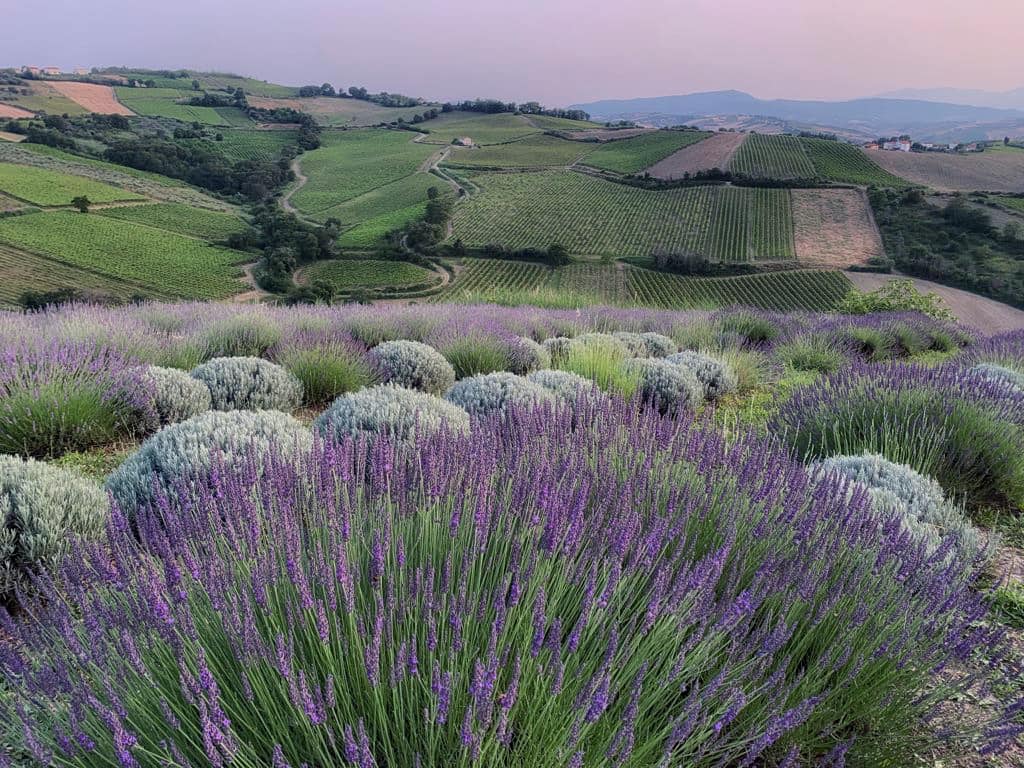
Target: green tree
[
  {"x": 195, "y": 85},
  {"x": 82, "y": 203},
  {"x": 558, "y": 255}
]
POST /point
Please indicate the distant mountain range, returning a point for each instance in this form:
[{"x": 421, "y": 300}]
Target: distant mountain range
[
  {"x": 858, "y": 118},
  {"x": 998, "y": 99}
]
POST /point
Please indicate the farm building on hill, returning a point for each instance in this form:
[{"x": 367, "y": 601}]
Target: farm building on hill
[
  {"x": 52, "y": 71},
  {"x": 901, "y": 144},
  {"x": 81, "y": 70}
]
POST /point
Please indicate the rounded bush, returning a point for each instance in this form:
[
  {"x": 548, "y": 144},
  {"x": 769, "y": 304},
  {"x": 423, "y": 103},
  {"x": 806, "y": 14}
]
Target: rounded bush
[
  {"x": 1000, "y": 374},
  {"x": 557, "y": 348},
  {"x": 249, "y": 384},
  {"x": 176, "y": 395},
  {"x": 42, "y": 508},
  {"x": 918, "y": 500},
  {"x": 413, "y": 365},
  {"x": 716, "y": 376},
  {"x": 386, "y": 409},
  {"x": 633, "y": 342},
  {"x": 658, "y": 344},
  {"x": 565, "y": 385},
  {"x": 175, "y": 453},
  {"x": 669, "y": 387},
  {"x": 528, "y": 356},
  {"x": 496, "y": 392},
  {"x": 328, "y": 364}
]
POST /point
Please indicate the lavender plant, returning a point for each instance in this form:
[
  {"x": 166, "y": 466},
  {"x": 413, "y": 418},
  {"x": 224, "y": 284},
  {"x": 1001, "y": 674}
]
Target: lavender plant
[
  {"x": 176, "y": 395},
  {"x": 242, "y": 335},
  {"x": 999, "y": 373},
  {"x": 715, "y": 375},
  {"x": 498, "y": 392},
  {"x": 327, "y": 364},
  {"x": 635, "y": 594},
  {"x": 249, "y": 384},
  {"x": 397, "y": 412},
  {"x": 413, "y": 365},
  {"x": 564, "y": 385}
]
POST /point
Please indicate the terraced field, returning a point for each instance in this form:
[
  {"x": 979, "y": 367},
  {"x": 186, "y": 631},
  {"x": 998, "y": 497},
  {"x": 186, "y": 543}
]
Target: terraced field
[
  {"x": 40, "y": 186},
  {"x": 491, "y": 279},
  {"x": 481, "y": 128},
  {"x": 634, "y": 154},
  {"x": 164, "y": 263},
  {"x": 352, "y": 163},
  {"x": 183, "y": 219},
  {"x": 164, "y": 102},
  {"x": 540, "y": 151},
  {"x": 348, "y": 274},
  {"x": 772, "y": 157},
  {"x": 845, "y": 163},
  {"x": 590, "y": 216}
]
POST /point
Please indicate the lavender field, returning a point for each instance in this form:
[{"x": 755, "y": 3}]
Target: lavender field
[{"x": 425, "y": 535}]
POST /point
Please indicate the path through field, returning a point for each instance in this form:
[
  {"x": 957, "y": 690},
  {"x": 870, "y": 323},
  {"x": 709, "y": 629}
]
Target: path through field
[
  {"x": 987, "y": 315},
  {"x": 834, "y": 228},
  {"x": 300, "y": 182},
  {"x": 714, "y": 152}
]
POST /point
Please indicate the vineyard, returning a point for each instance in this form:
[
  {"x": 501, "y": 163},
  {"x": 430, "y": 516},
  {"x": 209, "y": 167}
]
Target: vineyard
[
  {"x": 341, "y": 113},
  {"x": 352, "y": 163},
  {"x": 496, "y": 280},
  {"x": 845, "y": 163},
  {"x": 164, "y": 263},
  {"x": 633, "y": 155},
  {"x": 348, "y": 274},
  {"x": 40, "y": 186},
  {"x": 251, "y": 145},
  {"x": 24, "y": 271},
  {"x": 482, "y": 129},
  {"x": 772, "y": 157},
  {"x": 590, "y": 216},
  {"x": 183, "y": 219},
  {"x": 164, "y": 102},
  {"x": 531, "y": 152}
]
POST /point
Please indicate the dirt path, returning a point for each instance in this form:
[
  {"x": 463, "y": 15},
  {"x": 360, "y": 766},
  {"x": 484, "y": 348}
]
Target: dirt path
[
  {"x": 255, "y": 294},
  {"x": 987, "y": 315},
  {"x": 300, "y": 182}
]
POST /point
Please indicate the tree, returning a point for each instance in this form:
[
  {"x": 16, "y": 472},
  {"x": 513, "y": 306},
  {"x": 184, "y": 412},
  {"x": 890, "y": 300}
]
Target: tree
[
  {"x": 558, "y": 255},
  {"x": 82, "y": 203},
  {"x": 195, "y": 85},
  {"x": 1012, "y": 231},
  {"x": 327, "y": 90},
  {"x": 432, "y": 193},
  {"x": 1006, "y": 141}
]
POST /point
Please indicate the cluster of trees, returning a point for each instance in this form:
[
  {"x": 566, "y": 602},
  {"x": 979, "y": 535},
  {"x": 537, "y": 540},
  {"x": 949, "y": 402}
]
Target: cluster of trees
[
  {"x": 383, "y": 98},
  {"x": 309, "y": 129},
  {"x": 955, "y": 243},
  {"x": 229, "y": 98},
  {"x": 494, "y": 106},
  {"x": 688, "y": 262},
  {"x": 555, "y": 255}
]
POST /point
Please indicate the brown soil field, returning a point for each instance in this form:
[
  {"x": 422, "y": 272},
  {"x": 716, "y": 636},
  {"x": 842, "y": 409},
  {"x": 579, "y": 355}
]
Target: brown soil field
[
  {"x": 95, "y": 98},
  {"x": 834, "y": 228},
  {"x": 714, "y": 152},
  {"x": 606, "y": 134},
  {"x": 15, "y": 137},
  {"x": 10, "y": 111},
  {"x": 986, "y": 171},
  {"x": 977, "y": 311}
]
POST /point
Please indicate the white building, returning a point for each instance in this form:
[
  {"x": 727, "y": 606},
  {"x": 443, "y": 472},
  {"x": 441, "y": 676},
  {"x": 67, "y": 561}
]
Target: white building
[{"x": 900, "y": 145}]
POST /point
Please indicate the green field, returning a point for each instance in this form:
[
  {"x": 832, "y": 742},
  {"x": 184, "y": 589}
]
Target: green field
[
  {"x": 43, "y": 98},
  {"x": 219, "y": 81},
  {"x": 481, "y": 128},
  {"x": 1014, "y": 203},
  {"x": 772, "y": 157},
  {"x": 845, "y": 163},
  {"x": 622, "y": 284},
  {"x": 348, "y": 274},
  {"x": 40, "y": 186},
  {"x": 183, "y": 219},
  {"x": 549, "y": 123},
  {"x": 165, "y": 263},
  {"x": 352, "y": 163},
  {"x": 633, "y": 155},
  {"x": 532, "y": 152},
  {"x": 163, "y": 102},
  {"x": 234, "y": 117},
  {"x": 249, "y": 145},
  {"x": 590, "y": 216}
]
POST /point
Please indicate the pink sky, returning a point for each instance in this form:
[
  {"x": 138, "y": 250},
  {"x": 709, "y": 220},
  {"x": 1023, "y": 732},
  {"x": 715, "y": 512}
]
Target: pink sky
[{"x": 555, "y": 51}]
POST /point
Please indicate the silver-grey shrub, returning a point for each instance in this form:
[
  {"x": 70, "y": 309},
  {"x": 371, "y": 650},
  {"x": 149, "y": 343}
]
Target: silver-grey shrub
[
  {"x": 413, "y": 365},
  {"x": 176, "y": 395},
  {"x": 492, "y": 392},
  {"x": 249, "y": 384},
  {"x": 658, "y": 344},
  {"x": 528, "y": 356},
  {"x": 387, "y": 409},
  {"x": 670, "y": 387},
  {"x": 42, "y": 510},
  {"x": 716, "y": 376},
  {"x": 557, "y": 348},
  {"x": 919, "y": 500},
  {"x": 177, "y": 451},
  {"x": 634, "y": 342},
  {"x": 999, "y": 373},
  {"x": 566, "y": 385}
]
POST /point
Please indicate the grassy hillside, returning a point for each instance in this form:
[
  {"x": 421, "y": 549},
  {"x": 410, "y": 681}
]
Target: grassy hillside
[
  {"x": 40, "y": 186},
  {"x": 23, "y": 271},
  {"x": 165, "y": 102},
  {"x": 532, "y": 152},
  {"x": 481, "y": 128}
]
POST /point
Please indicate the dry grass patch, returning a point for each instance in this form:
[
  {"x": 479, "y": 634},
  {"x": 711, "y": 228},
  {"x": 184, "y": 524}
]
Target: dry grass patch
[
  {"x": 95, "y": 98},
  {"x": 834, "y": 228},
  {"x": 987, "y": 171},
  {"x": 11, "y": 112},
  {"x": 714, "y": 152}
]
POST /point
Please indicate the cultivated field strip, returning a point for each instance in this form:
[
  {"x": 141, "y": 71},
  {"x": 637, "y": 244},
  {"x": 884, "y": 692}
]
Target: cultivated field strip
[
  {"x": 632, "y": 155},
  {"x": 845, "y": 163},
  {"x": 774, "y": 157},
  {"x": 41, "y": 186}
]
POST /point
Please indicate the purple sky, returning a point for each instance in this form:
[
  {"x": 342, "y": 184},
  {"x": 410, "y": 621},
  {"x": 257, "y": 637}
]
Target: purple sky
[{"x": 555, "y": 51}]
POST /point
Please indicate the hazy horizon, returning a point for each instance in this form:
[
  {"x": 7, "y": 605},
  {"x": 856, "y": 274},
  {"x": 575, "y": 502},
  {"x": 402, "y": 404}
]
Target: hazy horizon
[{"x": 558, "y": 52}]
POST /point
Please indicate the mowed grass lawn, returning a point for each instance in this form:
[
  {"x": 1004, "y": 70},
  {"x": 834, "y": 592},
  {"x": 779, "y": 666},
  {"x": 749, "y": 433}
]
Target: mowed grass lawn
[
  {"x": 168, "y": 263},
  {"x": 351, "y": 163},
  {"x": 44, "y": 187},
  {"x": 176, "y": 217},
  {"x": 635, "y": 154},
  {"x": 347, "y": 274}
]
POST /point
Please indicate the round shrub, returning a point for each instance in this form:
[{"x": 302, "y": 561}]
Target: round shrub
[
  {"x": 328, "y": 364},
  {"x": 496, "y": 392},
  {"x": 42, "y": 508},
  {"x": 175, "y": 453},
  {"x": 812, "y": 352},
  {"x": 176, "y": 395},
  {"x": 565, "y": 385},
  {"x": 413, "y": 365},
  {"x": 667, "y": 386},
  {"x": 242, "y": 335},
  {"x": 528, "y": 356},
  {"x": 716, "y": 376},
  {"x": 641, "y": 577},
  {"x": 398, "y": 412},
  {"x": 658, "y": 344},
  {"x": 249, "y": 384},
  {"x": 1000, "y": 374},
  {"x": 919, "y": 501},
  {"x": 557, "y": 348},
  {"x": 944, "y": 422},
  {"x": 58, "y": 396},
  {"x": 756, "y": 329},
  {"x": 633, "y": 342}
]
